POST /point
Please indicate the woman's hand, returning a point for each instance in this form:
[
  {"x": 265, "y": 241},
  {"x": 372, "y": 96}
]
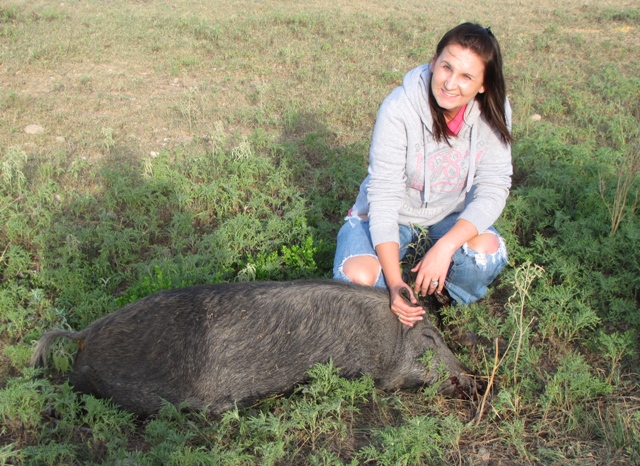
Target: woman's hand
[
  {"x": 404, "y": 304},
  {"x": 432, "y": 270},
  {"x": 401, "y": 299}
]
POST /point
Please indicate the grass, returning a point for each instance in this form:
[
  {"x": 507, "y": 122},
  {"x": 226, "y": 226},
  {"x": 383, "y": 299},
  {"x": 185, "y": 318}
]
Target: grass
[{"x": 198, "y": 142}]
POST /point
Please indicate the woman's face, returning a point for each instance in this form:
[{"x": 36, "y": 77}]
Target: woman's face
[{"x": 458, "y": 76}]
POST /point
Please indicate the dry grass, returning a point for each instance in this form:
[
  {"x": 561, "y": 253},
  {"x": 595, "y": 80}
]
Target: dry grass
[{"x": 159, "y": 73}]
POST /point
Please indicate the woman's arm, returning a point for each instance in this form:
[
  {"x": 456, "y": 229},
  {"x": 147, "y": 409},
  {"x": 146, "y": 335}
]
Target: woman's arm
[{"x": 389, "y": 257}]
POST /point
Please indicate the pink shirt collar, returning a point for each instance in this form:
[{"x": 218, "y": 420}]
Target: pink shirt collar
[{"x": 455, "y": 125}]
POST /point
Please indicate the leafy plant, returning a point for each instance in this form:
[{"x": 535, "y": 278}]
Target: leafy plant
[
  {"x": 418, "y": 441},
  {"x": 13, "y": 164},
  {"x": 21, "y": 404}
]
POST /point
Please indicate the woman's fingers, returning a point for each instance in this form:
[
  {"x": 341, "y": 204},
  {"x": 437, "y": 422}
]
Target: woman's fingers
[
  {"x": 430, "y": 277},
  {"x": 406, "y": 306}
]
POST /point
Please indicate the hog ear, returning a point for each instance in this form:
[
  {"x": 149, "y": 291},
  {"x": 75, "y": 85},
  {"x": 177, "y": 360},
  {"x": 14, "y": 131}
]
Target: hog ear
[{"x": 406, "y": 295}]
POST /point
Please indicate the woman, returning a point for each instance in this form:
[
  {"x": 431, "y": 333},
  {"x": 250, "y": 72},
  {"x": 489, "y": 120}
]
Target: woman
[{"x": 440, "y": 158}]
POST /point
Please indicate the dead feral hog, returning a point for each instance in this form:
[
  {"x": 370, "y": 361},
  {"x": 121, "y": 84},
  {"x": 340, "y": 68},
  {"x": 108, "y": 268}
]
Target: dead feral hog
[{"x": 216, "y": 345}]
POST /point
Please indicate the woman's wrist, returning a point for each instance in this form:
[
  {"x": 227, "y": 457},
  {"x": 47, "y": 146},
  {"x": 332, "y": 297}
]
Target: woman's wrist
[
  {"x": 389, "y": 257},
  {"x": 446, "y": 247}
]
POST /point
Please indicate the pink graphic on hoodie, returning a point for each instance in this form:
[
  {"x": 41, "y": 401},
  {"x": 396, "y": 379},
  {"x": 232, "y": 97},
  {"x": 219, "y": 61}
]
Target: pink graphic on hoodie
[{"x": 449, "y": 169}]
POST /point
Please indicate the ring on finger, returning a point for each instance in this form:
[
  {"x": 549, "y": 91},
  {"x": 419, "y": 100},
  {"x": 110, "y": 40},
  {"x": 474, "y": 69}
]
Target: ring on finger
[{"x": 434, "y": 283}]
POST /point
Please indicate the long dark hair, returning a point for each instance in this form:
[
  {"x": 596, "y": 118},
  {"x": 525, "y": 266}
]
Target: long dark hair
[{"x": 483, "y": 43}]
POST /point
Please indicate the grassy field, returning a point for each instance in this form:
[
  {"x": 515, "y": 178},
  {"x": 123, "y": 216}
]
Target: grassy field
[{"x": 151, "y": 145}]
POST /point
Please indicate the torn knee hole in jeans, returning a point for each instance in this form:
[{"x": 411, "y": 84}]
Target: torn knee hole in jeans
[
  {"x": 373, "y": 256},
  {"x": 358, "y": 255},
  {"x": 354, "y": 220},
  {"x": 482, "y": 259}
]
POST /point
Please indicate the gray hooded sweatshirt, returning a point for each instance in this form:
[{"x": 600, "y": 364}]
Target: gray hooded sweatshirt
[{"x": 415, "y": 180}]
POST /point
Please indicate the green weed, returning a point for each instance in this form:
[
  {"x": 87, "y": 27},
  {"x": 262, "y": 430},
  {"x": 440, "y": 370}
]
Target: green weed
[
  {"x": 21, "y": 404},
  {"x": 628, "y": 15},
  {"x": 13, "y": 164},
  {"x": 9, "y": 454},
  {"x": 616, "y": 346},
  {"x": 572, "y": 384},
  {"x": 418, "y": 441}
]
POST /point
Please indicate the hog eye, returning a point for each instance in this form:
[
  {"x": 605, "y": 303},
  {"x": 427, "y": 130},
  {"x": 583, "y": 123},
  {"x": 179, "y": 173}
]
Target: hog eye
[{"x": 430, "y": 340}]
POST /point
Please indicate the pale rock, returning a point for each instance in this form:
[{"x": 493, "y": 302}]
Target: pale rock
[{"x": 33, "y": 129}]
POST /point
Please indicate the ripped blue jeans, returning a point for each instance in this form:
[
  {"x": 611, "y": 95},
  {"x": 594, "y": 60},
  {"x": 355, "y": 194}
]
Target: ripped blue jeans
[{"x": 469, "y": 275}]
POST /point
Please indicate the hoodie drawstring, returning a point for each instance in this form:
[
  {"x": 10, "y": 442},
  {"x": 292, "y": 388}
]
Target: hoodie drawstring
[
  {"x": 472, "y": 156},
  {"x": 427, "y": 174}
]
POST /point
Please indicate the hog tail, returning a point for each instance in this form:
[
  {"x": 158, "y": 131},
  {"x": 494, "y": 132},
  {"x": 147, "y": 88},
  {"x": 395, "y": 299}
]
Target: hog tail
[{"x": 41, "y": 350}]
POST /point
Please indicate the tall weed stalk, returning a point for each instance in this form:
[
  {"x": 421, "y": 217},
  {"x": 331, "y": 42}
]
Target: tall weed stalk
[
  {"x": 524, "y": 277},
  {"x": 628, "y": 171}
]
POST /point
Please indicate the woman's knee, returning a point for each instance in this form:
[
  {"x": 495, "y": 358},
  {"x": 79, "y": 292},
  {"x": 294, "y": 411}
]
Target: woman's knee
[
  {"x": 363, "y": 270},
  {"x": 485, "y": 243}
]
